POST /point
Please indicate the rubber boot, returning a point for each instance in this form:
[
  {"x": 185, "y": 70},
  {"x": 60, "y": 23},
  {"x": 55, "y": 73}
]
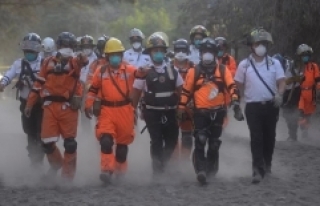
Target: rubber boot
[
  {"x": 69, "y": 166},
  {"x": 107, "y": 166}
]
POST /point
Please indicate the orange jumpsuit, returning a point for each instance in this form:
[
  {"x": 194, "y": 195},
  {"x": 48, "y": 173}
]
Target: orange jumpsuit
[
  {"x": 93, "y": 67},
  {"x": 56, "y": 89},
  {"x": 117, "y": 113},
  {"x": 231, "y": 63},
  {"x": 307, "y": 102}
]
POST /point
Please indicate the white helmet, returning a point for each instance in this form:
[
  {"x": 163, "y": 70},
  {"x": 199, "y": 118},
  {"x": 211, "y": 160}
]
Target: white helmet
[{"x": 48, "y": 45}]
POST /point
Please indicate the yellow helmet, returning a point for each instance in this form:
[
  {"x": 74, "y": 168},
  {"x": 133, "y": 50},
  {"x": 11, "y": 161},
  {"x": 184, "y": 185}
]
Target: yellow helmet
[{"x": 113, "y": 45}]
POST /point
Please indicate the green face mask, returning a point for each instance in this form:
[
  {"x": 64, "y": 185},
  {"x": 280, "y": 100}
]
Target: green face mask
[{"x": 115, "y": 60}]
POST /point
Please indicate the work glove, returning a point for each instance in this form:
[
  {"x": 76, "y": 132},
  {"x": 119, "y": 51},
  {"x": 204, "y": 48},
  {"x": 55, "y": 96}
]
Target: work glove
[
  {"x": 277, "y": 100},
  {"x": 27, "y": 111},
  {"x": 181, "y": 115},
  {"x": 238, "y": 115},
  {"x": 88, "y": 112}
]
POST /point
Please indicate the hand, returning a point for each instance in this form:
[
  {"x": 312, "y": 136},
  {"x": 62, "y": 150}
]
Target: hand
[
  {"x": 88, "y": 112},
  {"x": 181, "y": 115},
  {"x": 2, "y": 87},
  {"x": 27, "y": 112},
  {"x": 277, "y": 100},
  {"x": 238, "y": 115}
]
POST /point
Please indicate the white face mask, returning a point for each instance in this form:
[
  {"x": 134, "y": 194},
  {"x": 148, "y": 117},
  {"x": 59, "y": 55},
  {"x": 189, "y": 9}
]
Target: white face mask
[
  {"x": 260, "y": 50},
  {"x": 180, "y": 56},
  {"x": 136, "y": 45},
  {"x": 207, "y": 58},
  {"x": 87, "y": 52},
  {"x": 66, "y": 52}
]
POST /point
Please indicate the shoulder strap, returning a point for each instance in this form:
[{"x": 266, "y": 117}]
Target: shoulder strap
[
  {"x": 75, "y": 84},
  {"x": 197, "y": 74},
  {"x": 261, "y": 79},
  {"x": 222, "y": 69},
  {"x": 125, "y": 96}
]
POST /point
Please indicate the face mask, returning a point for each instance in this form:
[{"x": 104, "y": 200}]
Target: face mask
[
  {"x": 87, "y": 52},
  {"x": 136, "y": 45},
  {"x": 115, "y": 60},
  {"x": 66, "y": 52},
  {"x": 260, "y": 50},
  {"x": 220, "y": 53},
  {"x": 305, "y": 59},
  {"x": 158, "y": 57},
  {"x": 31, "y": 56},
  {"x": 180, "y": 56},
  {"x": 207, "y": 58},
  {"x": 197, "y": 43}
]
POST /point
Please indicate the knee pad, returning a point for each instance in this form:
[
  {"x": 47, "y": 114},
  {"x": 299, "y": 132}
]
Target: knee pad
[
  {"x": 70, "y": 145},
  {"x": 49, "y": 148},
  {"x": 201, "y": 137},
  {"x": 106, "y": 143},
  {"x": 121, "y": 153},
  {"x": 214, "y": 145}
]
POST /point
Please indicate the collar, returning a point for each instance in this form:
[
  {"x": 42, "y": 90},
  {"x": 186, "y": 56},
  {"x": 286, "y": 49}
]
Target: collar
[{"x": 162, "y": 66}]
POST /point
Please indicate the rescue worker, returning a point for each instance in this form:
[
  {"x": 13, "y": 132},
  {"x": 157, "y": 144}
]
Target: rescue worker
[
  {"x": 114, "y": 111},
  {"x": 262, "y": 79},
  {"x": 101, "y": 60},
  {"x": 162, "y": 86},
  {"x": 183, "y": 65},
  {"x": 86, "y": 46},
  {"x": 311, "y": 74},
  {"x": 197, "y": 33},
  {"x": 59, "y": 88},
  {"x": 49, "y": 47},
  {"x": 27, "y": 69},
  {"x": 134, "y": 56},
  {"x": 77, "y": 48},
  {"x": 291, "y": 95},
  {"x": 205, "y": 84},
  {"x": 226, "y": 59}
]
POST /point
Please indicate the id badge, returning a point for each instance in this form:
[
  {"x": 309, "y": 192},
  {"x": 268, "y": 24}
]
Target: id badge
[{"x": 213, "y": 93}]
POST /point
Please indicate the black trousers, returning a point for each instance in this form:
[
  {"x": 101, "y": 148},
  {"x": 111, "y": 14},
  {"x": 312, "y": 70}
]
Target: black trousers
[
  {"x": 208, "y": 129},
  {"x": 32, "y": 127},
  {"x": 262, "y": 120},
  {"x": 164, "y": 131}
]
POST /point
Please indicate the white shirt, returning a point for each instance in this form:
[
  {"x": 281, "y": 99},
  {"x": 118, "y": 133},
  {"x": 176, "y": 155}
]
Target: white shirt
[
  {"x": 254, "y": 89},
  {"x": 141, "y": 83},
  {"x": 194, "y": 55},
  {"x": 85, "y": 70},
  {"x": 15, "y": 70},
  {"x": 137, "y": 59}
]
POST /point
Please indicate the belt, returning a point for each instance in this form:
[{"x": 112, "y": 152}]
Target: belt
[
  {"x": 160, "y": 107},
  {"x": 55, "y": 99},
  {"x": 115, "y": 103},
  {"x": 262, "y": 102},
  {"x": 210, "y": 109},
  {"x": 306, "y": 88}
]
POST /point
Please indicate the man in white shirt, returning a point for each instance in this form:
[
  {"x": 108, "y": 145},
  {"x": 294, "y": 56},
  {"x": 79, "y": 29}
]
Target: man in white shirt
[
  {"x": 86, "y": 45},
  {"x": 262, "y": 79},
  {"x": 162, "y": 85},
  {"x": 134, "y": 56},
  {"x": 197, "y": 34}
]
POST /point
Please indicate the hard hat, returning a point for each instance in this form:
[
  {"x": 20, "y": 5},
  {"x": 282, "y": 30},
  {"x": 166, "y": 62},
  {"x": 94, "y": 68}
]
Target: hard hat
[
  {"x": 113, "y": 45},
  {"x": 48, "y": 44},
  {"x": 208, "y": 44},
  {"x": 164, "y": 37},
  {"x": 32, "y": 42},
  {"x": 258, "y": 35},
  {"x": 180, "y": 44},
  {"x": 304, "y": 48},
  {"x": 136, "y": 33},
  {"x": 66, "y": 39},
  {"x": 155, "y": 41},
  {"x": 86, "y": 40},
  {"x": 221, "y": 41},
  {"x": 198, "y": 29}
]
